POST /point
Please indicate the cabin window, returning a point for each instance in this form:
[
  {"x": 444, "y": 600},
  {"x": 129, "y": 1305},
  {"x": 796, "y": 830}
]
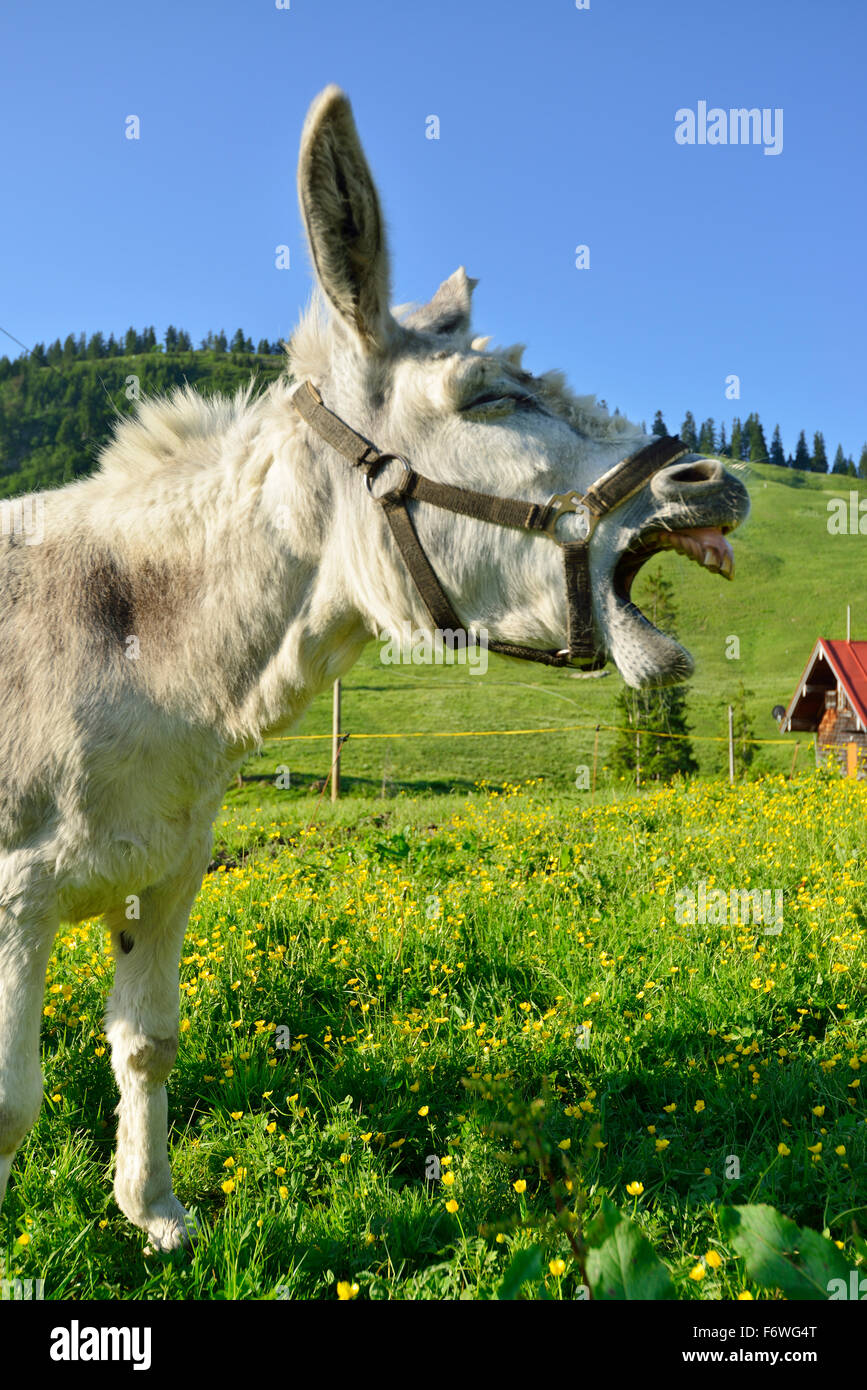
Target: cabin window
[{"x": 830, "y": 699}]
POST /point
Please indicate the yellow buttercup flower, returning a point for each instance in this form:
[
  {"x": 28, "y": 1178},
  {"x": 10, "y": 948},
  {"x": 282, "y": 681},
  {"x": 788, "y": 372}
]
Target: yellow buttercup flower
[
  {"x": 520, "y": 1186},
  {"x": 345, "y": 1291},
  {"x": 635, "y": 1189}
]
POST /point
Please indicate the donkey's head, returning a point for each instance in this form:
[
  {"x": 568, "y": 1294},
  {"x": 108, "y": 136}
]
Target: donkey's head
[{"x": 419, "y": 385}]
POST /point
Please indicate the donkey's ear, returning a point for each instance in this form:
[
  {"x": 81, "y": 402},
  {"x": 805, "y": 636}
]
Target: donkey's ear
[
  {"x": 449, "y": 310},
  {"x": 342, "y": 218}
]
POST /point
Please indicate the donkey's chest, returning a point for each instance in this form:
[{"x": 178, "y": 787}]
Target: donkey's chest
[{"x": 130, "y": 832}]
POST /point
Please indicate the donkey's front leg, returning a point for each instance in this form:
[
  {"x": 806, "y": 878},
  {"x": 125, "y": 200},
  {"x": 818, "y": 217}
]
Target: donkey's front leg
[
  {"x": 28, "y": 922},
  {"x": 142, "y": 1027}
]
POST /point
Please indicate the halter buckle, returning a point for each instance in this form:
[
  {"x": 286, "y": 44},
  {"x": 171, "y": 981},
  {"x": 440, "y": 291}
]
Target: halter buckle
[{"x": 561, "y": 504}]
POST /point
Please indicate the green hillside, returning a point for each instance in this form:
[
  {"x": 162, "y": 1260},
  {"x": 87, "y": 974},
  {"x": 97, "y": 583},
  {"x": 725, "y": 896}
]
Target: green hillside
[
  {"x": 54, "y": 417},
  {"x": 793, "y": 581}
]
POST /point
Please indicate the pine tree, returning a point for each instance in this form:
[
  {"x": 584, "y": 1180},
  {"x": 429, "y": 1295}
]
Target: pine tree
[
  {"x": 839, "y": 465},
  {"x": 659, "y": 426},
  {"x": 862, "y": 462},
  {"x": 820, "y": 458},
  {"x": 185, "y": 342},
  {"x": 851, "y": 470},
  {"x": 131, "y": 343},
  {"x": 777, "y": 455},
  {"x": 758, "y": 447},
  {"x": 737, "y": 439},
  {"x": 171, "y": 338},
  {"x": 688, "y": 433},
  {"x": 239, "y": 342},
  {"x": 221, "y": 342},
  {"x": 723, "y": 447},
  {"x": 802, "y": 453},
  {"x": 707, "y": 438},
  {"x": 650, "y": 757},
  {"x": 96, "y": 346},
  {"x": 69, "y": 348}
]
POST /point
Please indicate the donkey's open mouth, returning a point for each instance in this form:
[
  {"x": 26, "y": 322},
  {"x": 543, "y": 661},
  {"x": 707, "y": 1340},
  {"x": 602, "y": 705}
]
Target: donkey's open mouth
[{"x": 705, "y": 545}]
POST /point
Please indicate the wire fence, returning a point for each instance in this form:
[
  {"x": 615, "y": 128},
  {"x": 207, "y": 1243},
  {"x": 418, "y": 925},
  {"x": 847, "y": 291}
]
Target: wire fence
[{"x": 510, "y": 733}]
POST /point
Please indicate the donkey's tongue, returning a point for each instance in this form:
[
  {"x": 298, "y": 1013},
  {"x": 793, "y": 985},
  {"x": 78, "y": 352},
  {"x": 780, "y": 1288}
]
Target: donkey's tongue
[{"x": 705, "y": 544}]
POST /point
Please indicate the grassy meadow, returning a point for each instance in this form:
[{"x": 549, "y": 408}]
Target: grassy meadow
[
  {"x": 341, "y": 981},
  {"x": 368, "y": 987}
]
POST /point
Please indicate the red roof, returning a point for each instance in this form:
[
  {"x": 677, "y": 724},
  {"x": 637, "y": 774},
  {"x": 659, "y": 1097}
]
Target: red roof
[
  {"x": 848, "y": 665},
  {"x": 849, "y": 662}
]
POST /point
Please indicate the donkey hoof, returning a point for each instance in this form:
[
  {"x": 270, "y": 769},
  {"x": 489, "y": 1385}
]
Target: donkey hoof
[{"x": 169, "y": 1226}]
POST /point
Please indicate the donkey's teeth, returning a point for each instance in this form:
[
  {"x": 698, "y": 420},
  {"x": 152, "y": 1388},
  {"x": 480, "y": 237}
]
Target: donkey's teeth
[{"x": 706, "y": 545}]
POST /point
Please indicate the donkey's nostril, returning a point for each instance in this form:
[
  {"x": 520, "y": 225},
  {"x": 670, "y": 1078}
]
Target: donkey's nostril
[{"x": 691, "y": 471}]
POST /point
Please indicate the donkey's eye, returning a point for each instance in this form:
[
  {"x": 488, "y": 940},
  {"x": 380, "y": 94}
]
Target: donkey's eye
[{"x": 494, "y": 403}]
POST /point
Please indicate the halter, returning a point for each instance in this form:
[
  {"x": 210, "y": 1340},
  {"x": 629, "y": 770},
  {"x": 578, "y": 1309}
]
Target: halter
[{"x": 620, "y": 482}]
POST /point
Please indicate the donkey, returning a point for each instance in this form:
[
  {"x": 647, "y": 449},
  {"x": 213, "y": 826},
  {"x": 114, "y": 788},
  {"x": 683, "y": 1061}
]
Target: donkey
[{"x": 226, "y": 562}]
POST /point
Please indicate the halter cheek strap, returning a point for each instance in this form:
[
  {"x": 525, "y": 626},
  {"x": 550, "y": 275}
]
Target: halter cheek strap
[{"x": 542, "y": 517}]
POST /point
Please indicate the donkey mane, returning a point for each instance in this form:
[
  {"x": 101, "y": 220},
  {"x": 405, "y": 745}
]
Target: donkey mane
[{"x": 182, "y": 429}]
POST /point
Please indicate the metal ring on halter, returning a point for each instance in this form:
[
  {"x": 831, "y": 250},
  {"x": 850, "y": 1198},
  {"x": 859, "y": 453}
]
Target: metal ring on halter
[
  {"x": 562, "y": 504},
  {"x": 374, "y": 472}
]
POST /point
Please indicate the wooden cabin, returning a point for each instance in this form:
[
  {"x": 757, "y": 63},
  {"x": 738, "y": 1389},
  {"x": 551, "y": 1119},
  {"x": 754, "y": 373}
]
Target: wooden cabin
[{"x": 831, "y": 702}]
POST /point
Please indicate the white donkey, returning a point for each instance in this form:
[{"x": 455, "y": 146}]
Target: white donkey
[{"x": 230, "y": 558}]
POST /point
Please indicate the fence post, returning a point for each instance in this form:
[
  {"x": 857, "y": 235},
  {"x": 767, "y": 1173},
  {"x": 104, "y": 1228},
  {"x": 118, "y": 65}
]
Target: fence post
[
  {"x": 731, "y": 748},
  {"x": 595, "y": 752},
  {"x": 335, "y": 743}
]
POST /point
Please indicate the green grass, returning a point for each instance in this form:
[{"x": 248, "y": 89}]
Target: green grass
[{"x": 411, "y": 943}]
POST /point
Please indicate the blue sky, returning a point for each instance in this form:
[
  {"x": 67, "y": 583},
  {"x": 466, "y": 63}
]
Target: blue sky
[{"x": 556, "y": 129}]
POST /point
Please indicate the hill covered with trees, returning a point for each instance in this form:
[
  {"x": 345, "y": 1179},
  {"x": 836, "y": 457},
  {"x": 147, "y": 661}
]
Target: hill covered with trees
[{"x": 57, "y": 404}]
